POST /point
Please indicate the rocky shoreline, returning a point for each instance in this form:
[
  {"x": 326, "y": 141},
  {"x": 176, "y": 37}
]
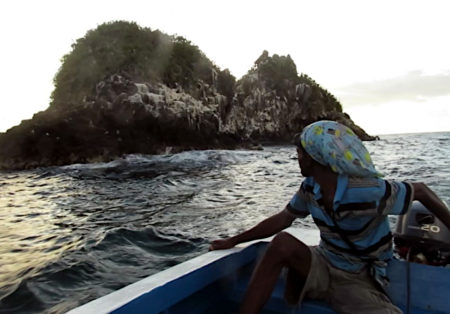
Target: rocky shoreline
[{"x": 126, "y": 117}]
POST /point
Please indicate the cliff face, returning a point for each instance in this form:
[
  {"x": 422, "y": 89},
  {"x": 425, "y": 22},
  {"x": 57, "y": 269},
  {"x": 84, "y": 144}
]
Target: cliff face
[
  {"x": 273, "y": 103},
  {"x": 144, "y": 107},
  {"x": 128, "y": 117},
  {"x": 123, "y": 117},
  {"x": 264, "y": 115}
]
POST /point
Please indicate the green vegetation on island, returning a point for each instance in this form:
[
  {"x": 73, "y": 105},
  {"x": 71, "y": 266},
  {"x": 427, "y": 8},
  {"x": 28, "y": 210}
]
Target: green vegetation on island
[{"x": 142, "y": 54}]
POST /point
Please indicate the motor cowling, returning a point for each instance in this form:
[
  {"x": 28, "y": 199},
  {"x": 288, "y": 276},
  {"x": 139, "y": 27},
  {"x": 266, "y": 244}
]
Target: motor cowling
[{"x": 421, "y": 237}]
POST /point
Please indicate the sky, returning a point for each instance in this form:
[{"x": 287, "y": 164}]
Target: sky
[{"x": 387, "y": 62}]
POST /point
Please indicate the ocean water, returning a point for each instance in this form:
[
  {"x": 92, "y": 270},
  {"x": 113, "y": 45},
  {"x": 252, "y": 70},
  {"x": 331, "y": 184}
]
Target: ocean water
[{"x": 74, "y": 233}]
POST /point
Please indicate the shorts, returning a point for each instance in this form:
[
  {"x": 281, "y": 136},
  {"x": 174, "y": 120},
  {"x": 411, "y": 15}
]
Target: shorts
[{"x": 344, "y": 291}]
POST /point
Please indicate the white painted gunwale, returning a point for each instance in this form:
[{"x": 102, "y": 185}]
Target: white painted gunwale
[{"x": 118, "y": 298}]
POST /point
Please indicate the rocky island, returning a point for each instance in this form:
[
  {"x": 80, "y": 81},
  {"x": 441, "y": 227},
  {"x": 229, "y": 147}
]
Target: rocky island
[{"x": 126, "y": 89}]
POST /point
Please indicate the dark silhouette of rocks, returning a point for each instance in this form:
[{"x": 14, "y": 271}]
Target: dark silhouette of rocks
[
  {"x": 126, "y": 117},
  {"x": 188, "y": 104}
]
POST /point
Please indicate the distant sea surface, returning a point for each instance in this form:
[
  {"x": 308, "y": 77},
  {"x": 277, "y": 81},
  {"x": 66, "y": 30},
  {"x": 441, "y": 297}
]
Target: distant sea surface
[{"x": 74, "y": 233}]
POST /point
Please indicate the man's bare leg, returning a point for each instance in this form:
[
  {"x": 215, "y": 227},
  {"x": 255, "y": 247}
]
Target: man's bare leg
[{"x": 284, "y": 250}]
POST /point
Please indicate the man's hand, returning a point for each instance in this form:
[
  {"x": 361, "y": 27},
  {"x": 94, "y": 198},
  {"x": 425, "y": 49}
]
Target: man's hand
[
  {"x": 222, "y": 244},
  {"x": 266, "y": 228}
]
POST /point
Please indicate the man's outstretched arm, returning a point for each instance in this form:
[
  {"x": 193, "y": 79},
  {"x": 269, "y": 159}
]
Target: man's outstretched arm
[
  {"x": 264, "y": 229},
  {"x": 432, "y": 202}
]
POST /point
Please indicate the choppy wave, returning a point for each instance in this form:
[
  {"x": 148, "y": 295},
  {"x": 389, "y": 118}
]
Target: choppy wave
[{"x": 71, "y": 234}]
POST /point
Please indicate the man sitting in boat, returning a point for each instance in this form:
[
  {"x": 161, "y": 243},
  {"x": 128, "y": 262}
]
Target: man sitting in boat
[{"x": 349, "y": 203}]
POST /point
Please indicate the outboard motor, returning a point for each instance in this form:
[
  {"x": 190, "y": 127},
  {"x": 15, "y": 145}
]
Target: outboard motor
[{"x": 421, "y": 237}]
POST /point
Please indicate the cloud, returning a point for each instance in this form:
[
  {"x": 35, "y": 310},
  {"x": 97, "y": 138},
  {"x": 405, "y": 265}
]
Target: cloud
[{"x": 414, "y": 86}]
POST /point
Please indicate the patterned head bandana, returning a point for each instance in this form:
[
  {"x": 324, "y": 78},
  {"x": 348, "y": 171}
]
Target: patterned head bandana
[{"x": 335, "y": 145}]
